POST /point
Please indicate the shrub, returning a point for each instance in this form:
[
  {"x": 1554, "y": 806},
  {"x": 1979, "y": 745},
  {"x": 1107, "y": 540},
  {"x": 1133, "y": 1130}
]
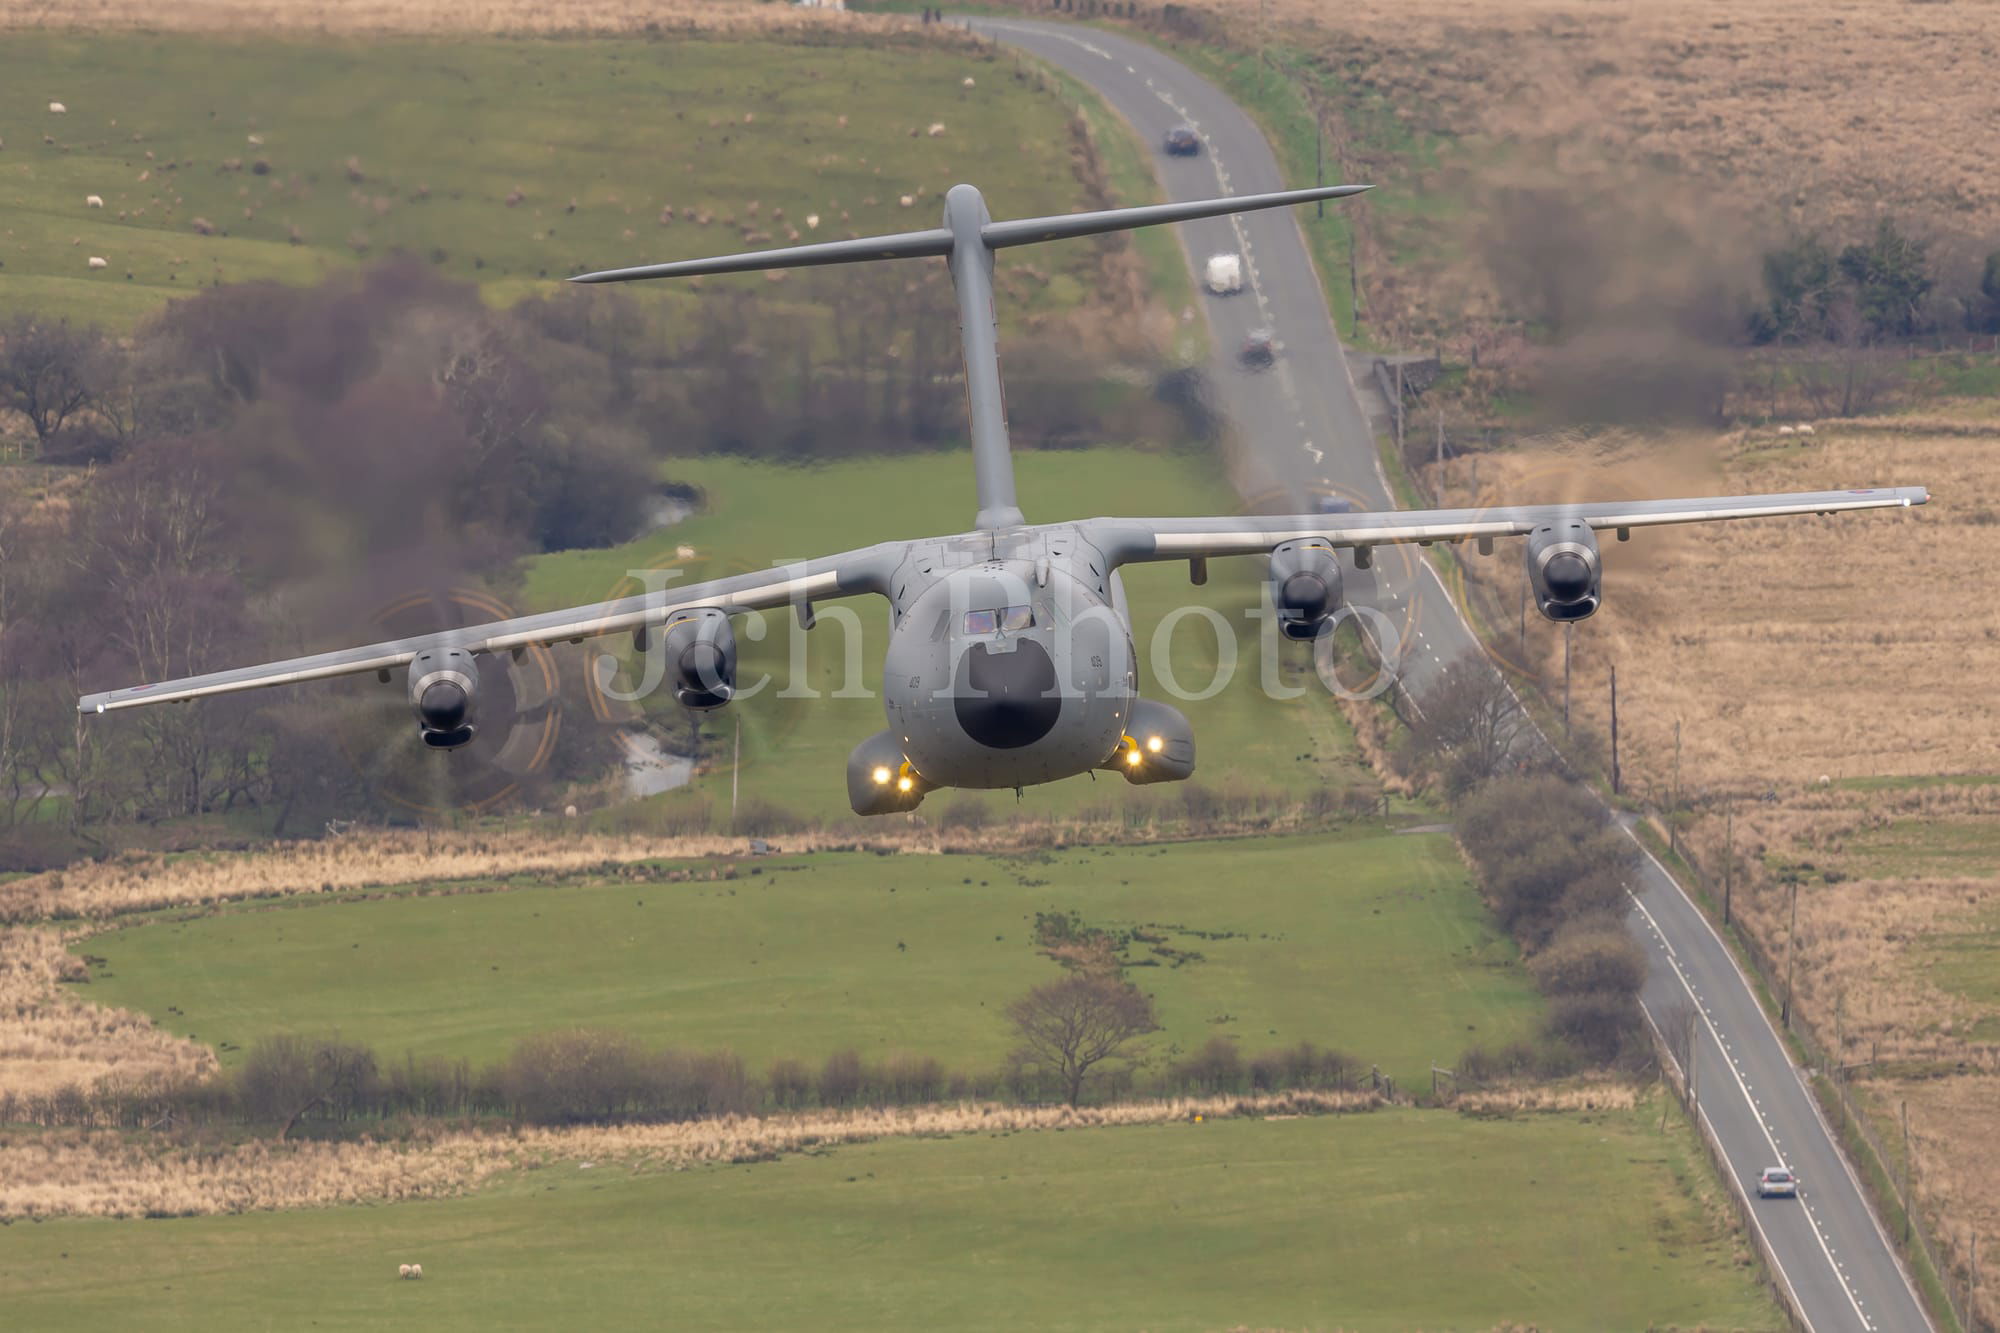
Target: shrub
[
  {"x": 1599, "y": 1024},
  {"x": 1216, "y": 1067},
  {"x": 841, "y": 1079},
  {"x": 1590, "y": 956},
  {"x": 582, "y": 1075}
]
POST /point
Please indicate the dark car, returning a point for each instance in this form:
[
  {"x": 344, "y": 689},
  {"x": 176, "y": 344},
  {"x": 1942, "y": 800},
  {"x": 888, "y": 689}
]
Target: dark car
[
  {"x": 1183, "y": 142},
  {"x": 1260, "y": 349}
]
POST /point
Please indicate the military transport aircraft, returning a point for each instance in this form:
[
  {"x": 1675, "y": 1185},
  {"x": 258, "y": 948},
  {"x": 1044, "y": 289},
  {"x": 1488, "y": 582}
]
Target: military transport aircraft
[{"x": 1010, "y": 658}]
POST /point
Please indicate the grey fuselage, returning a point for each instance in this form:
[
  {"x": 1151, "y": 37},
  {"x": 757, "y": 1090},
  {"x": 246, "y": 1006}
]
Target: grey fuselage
[{"x": 1010, "y": 658}]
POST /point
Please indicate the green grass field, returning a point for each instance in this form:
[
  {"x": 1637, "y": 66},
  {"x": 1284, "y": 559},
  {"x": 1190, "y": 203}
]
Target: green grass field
[
  {"x": 373, "y": 147},
  {"x": 1391, "y": 1220},
  {"x": 1374, "y": 944},
  {"x": 795, "y": 748}
]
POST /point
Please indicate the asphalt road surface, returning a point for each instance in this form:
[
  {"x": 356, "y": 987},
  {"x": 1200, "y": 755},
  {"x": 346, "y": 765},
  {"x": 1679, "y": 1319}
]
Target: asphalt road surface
[{"x": 1303, "y": 428}]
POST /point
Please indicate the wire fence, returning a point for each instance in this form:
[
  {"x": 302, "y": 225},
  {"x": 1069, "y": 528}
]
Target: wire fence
[{"x": 1909, "y": 1228}]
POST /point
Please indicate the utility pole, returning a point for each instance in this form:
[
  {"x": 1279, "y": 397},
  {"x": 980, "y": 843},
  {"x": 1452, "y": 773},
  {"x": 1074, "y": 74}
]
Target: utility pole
[
  {"x": 1524, "y": 616},
  {"x": 1353, "y": 282},
  {"x": 1791, "y": 954},
  {"x": 735, "y": 770},
  {"x": 1614, "y": 730},
  {"x": 1674, "y": 815},
  {"x": 1319, "y": 154},
  {"x": 1907, "y": 1202},
  {"x": 1440, "y": 455},
  {"x": 1569, "y": 633},
  {"x": 1694, "y": 1110},
  {"x": 1728, "y": 858}
]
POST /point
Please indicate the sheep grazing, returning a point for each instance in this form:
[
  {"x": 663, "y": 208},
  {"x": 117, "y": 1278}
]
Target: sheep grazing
[
  {"x": 255, "y": 141},
  {"x": 58, "y": 109},
  {"x": 416, "y": 1270},
  {"x": 937, "y": 128},
  {"x": 93, "y": 201},
  {"x": 514, "y": 196},
  {"x": 812, "y": 222},
  {"x": 908, "y": 201},
  {"x": 965, "y": 82},
  {"x": 402, "y": 1270},
  {"x": 1805, "y": 429},
  {"x": 95, "y": 262},
  {"x": 1785, "y": 430}
]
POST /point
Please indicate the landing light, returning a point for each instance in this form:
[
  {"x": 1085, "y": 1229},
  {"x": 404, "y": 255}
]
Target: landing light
[
  {"x": 904, "y": 784},
  {"x": 1154, "y": 743},
  {"x": 881, "y": 775},
  {"x": 1132, "y": 758}
]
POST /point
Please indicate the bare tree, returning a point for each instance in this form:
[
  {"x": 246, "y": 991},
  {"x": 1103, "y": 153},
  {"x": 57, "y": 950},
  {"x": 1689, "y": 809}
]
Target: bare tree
[
  {"x": 1067, "y": 1028},
  {"x": 1470, "y": 722},
  {"x": 48, "y": 371}
]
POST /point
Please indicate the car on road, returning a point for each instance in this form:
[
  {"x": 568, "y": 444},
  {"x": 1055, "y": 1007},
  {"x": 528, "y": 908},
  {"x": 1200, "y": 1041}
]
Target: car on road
[
  {"x": 1260, "y": 349},
  {"x": 1777, "y": 1182},
  {"x": 1223, "y": 274},
  {"x": 1182, "y": 141},
  {"x": 1334, "y": 504}
]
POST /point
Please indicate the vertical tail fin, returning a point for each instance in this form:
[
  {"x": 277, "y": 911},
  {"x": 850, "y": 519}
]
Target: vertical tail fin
[{"x": 968, "y": 240}]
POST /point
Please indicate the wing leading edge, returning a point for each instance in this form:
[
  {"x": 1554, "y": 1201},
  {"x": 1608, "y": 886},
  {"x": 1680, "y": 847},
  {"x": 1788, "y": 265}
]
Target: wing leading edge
[
  {"x": 833, "y": 576},
  {"x": 1136, "y": 540}
]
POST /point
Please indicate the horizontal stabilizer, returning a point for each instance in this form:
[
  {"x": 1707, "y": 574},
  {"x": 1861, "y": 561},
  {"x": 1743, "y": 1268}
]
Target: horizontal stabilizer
[
  {"x": 907, "y": 245},
  {"x": 1027, "y": 231},
  {"x": 996, "y": 235}
]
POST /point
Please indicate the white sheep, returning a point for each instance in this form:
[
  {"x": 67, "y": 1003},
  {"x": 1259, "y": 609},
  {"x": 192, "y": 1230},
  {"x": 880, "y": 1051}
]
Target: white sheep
[
  {"x": 416, "y": 1270},
  {"x": 1786, "y": 430},
  {"x": 908, "y": 201},
  {"x": 937, "y": 128},
  {"x": 256, "y": 141},
  {"x": 96, "y": 262},
  {"x": 1825, "y": 780},
  {"x": 812, "y": 222},
  {"x": 402, "y": 1270},
  {"x": 965, "y": 82},
  {"x": 93, "y": 201},
  {"x": 1805, "y": 429},
  {"x": 58, "y": 109}
]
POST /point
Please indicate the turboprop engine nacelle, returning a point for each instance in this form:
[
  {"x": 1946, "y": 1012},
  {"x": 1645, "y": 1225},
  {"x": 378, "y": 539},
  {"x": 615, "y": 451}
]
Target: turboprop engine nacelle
[
  {"x": 701, "y": 654},
  {"x": 444, "y": 692},
  {"x": 1565, "y": 569},
  {"x": 1158, "y": 745},
  {"x": 1305, "y": 587}
]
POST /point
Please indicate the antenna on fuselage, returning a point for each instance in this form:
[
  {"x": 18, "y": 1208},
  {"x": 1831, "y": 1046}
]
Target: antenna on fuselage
[{"x": 967, "y": 240}]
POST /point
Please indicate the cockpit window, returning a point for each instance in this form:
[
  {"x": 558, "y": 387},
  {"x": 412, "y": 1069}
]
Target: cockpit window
[{"x": 1010, "y": 619}]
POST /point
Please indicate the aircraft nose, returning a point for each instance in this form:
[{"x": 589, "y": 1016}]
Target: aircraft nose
[{"x": 1007, "y": 700}]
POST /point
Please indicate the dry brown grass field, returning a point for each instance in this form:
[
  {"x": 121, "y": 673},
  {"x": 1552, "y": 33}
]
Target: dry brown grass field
[
  {"x": 1858, "y": 650},
  {"x": 108, "y": 1174},
  {"x": 1684, "y": 135}
]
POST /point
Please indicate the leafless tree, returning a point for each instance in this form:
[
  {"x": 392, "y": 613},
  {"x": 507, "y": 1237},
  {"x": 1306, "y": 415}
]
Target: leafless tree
[
  {"x": 48, "y": 371},
  {"x": 1470, "y": 722},
  {"x": 1069, "y": 1027}
]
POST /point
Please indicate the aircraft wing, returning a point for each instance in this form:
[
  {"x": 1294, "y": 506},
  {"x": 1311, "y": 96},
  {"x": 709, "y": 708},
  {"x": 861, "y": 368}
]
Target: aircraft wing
[
  {"x": 814, "y": 580},
  {"x": 1130, "y": 540}
]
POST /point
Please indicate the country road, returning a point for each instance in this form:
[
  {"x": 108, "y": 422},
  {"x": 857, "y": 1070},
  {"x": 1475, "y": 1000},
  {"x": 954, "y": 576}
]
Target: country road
[{"x": 1302, "y": 425}]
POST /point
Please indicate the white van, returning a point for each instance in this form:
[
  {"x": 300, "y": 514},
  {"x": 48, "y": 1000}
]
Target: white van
[{"x": 1224, "y": 274}]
